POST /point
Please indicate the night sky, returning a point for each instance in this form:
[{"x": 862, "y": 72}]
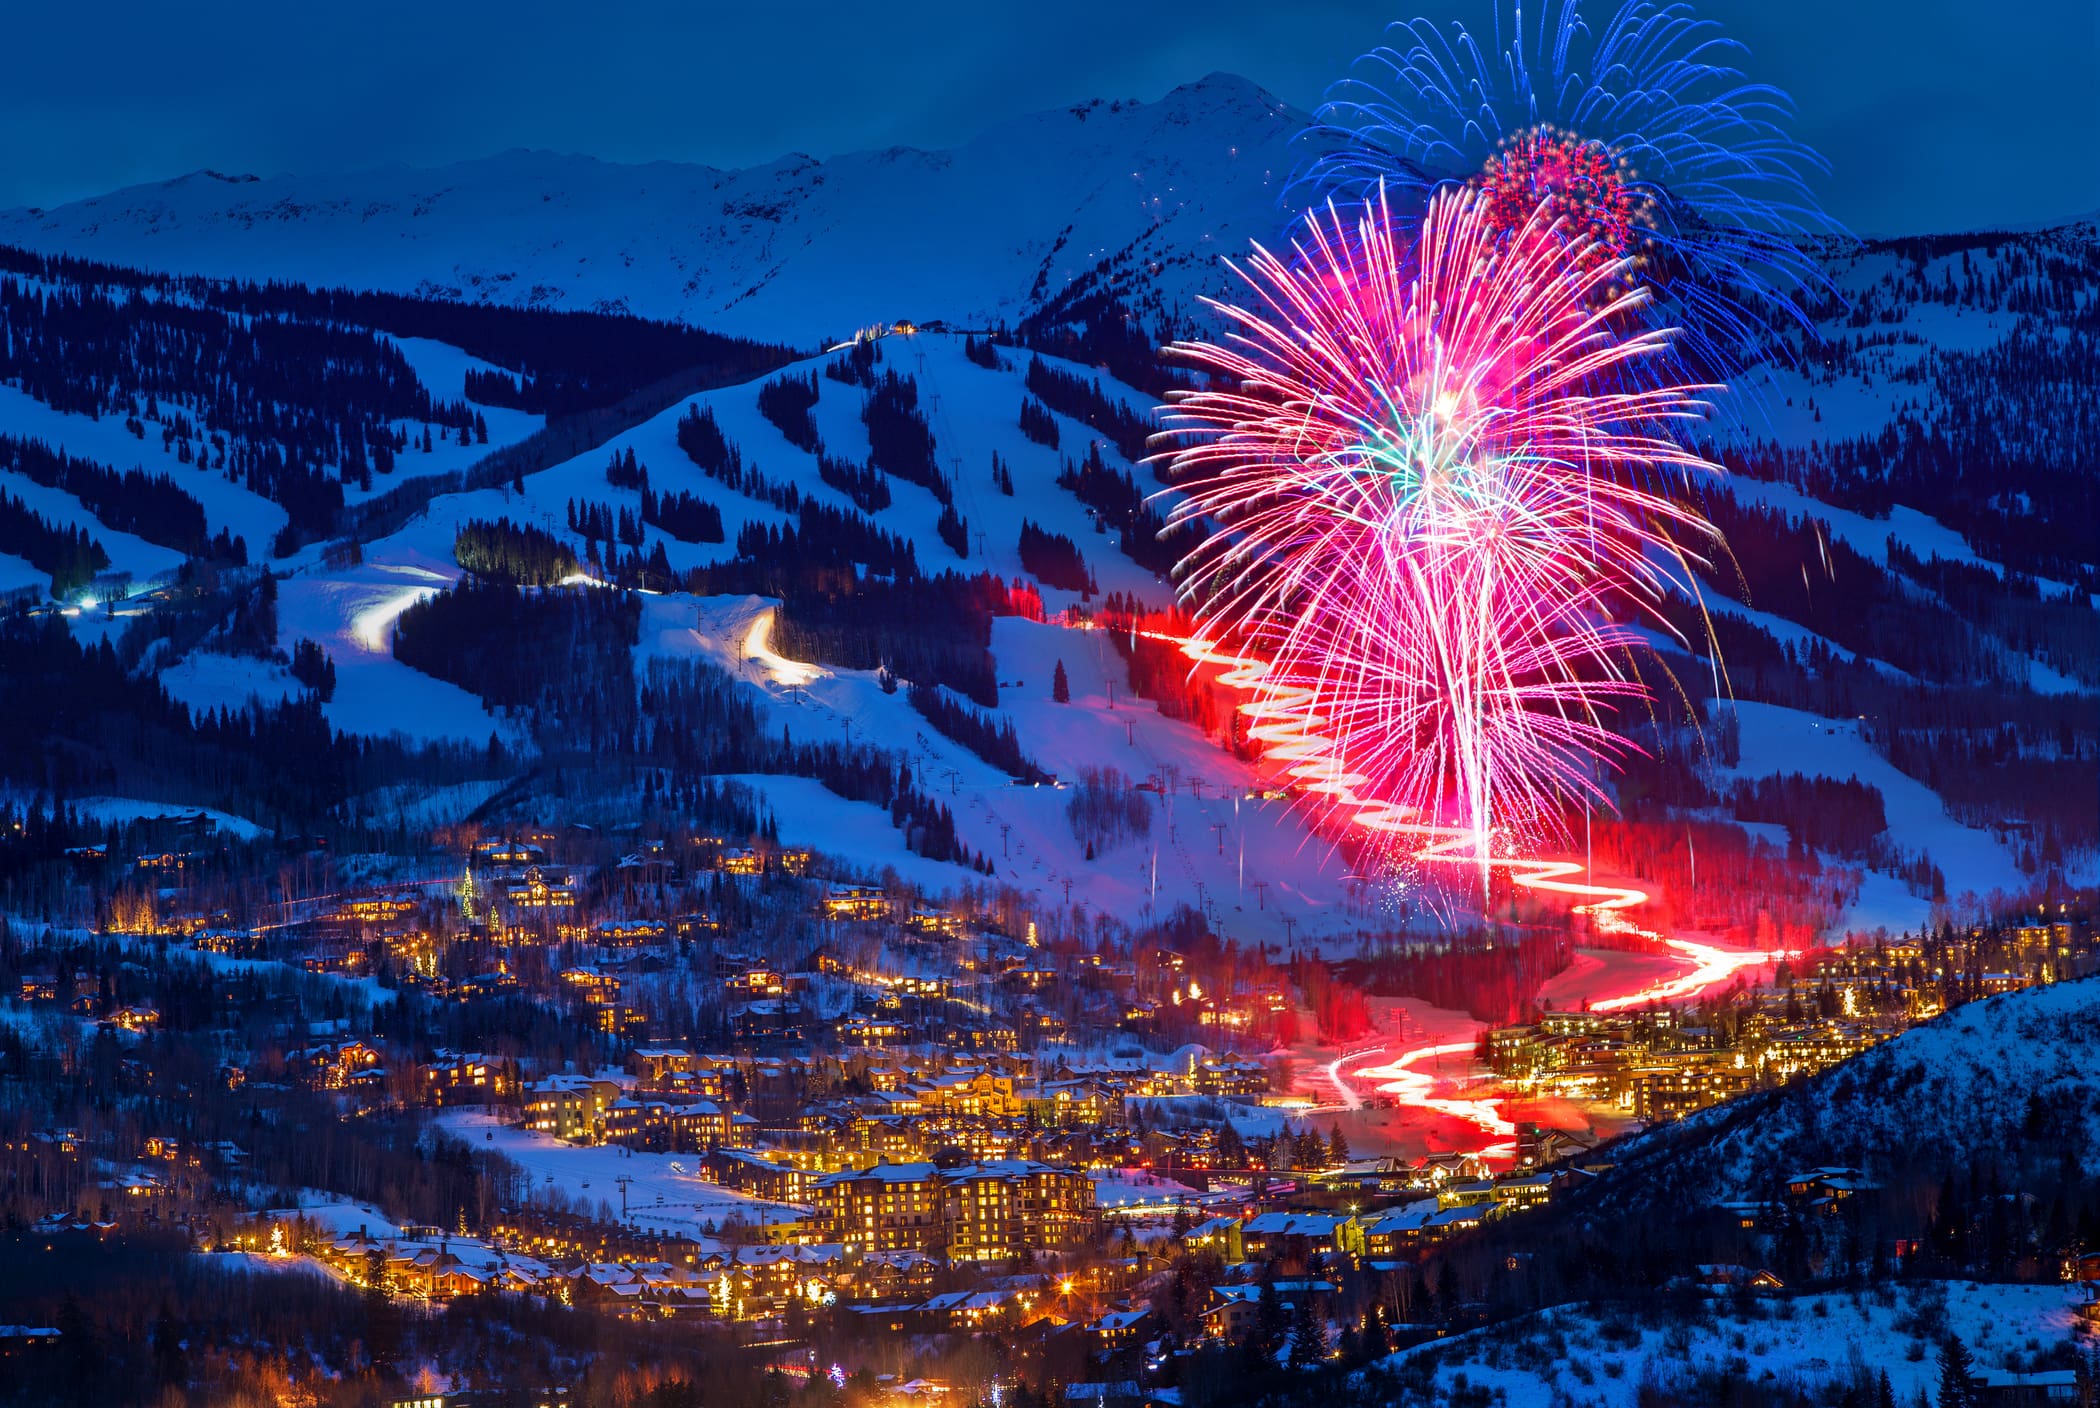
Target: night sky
[{"x": 1934, "y": 115}]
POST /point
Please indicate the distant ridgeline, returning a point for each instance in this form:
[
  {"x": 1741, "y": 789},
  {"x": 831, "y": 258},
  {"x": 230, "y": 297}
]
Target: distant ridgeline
[
  {"x": 295, "y": 392},
  {"x": 1990, "y": 435}
]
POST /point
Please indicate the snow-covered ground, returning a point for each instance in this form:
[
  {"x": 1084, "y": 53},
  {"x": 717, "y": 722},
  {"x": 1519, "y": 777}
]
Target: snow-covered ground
[
  {"x": 1603, "y": 1355},
  {"x": 1129, "y": 1190},
  {"x": 1965, "y": 1081},
  {"x": 665, "y": 1191},
  {"x": 228, "y": 506},
  {"x": 797, "y": 250},
  {"x": 351, "y": 614},
  {"x": 127, "y": 552},
  {"x": 106, "y": 809},
  {"x": 1779, "y": 740},
  {"x": 16, "y": 574},
  {"x": 204, "y": 679}
]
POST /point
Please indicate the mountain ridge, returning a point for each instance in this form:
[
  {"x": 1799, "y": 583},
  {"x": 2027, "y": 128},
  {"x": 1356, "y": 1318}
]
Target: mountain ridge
[{"x": 800, "y": 246}]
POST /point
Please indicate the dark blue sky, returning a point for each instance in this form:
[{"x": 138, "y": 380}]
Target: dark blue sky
[{"x": 1935, "y": 115}]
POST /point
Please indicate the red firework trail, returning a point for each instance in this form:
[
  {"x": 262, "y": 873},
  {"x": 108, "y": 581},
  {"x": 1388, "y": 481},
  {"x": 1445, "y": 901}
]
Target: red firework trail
[
  {"x": 1280, "y": 719},
  {"x": 1416, "y": 470}
]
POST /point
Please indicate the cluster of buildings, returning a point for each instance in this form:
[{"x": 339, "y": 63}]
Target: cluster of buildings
[{"x": 1665, "y": 1064}]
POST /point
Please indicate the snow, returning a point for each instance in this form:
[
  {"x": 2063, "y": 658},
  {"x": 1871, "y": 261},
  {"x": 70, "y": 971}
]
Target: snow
[
  {"x": 128, "y": 553},
  {"x": 666, "y": 1192},
  {"x": 443, "y": 369},
  {"x": 366, "y": 990},
  {"x": 1777, "y": 740},
  {"x": 1601, "y": 1355},
  {"x": 1196, "y": 842},
  {"x": 335, "y": 1218},
  {"x": 1130, "y": 1188},
  {"x": 1921, "y": 535},
  {"x": 788, "y": 250},
  {"x": 858, "y": 834},
  {"x": 351, "y": 615},
  {"x": 227, "y": 505},
  {"x": 207, "y": 680},
  {"x": 1965, "y": 1081},
  {"x": 1788, "y": 633},
  {"x": 127, "y": 809},
  {"x": 15, "y": 574}
]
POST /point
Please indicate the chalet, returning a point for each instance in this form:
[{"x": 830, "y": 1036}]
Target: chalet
[
  {"x": 772, "y": 1016},
  {"x": 1436, "y": 1168},
  {"x": 630, "y": 933},
  {"x": 755, "y": 982},
  {"x": 871, "y": 1031},
  {"x": 1389, "y": 1232},
  {"x": 666, "y": 1126},
  {"x": 1518, "y": 1194},
  {"x": 455, "y": 1077},
  {"x": 1236, "y": 1306},
  {"x": 1120, "y": 1329},
  {"x": 1223, "y": 1235},
  {"x": 749, "y": 1172},
  {"x": 569, "y": 1107},
  {"x": 856, "y": 902},
  {"x": 1446, "y": 1222},
  {"x": 1272, "y": 1231},
  {"x": 1465, "y": 1193},
  {"x": 971, "y": 1093},
  {"x": 652, "y": 1064},
  {"x": 541, "y": 889},
  {"x": 939, "y": 922},
  {"x": 1225, "y": 1075},
  {"x": 1081, "y": 1100},
  {"x": 2039, "y": 1388},
  {"x": 501, "y": 853},
  {"x": 596, "y": 986},
  {"x": 1823, "y": 1189},
  {"x": 1720, "y": 1276}
]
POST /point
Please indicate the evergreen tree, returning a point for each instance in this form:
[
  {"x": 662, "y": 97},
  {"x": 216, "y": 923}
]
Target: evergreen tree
[
  {"x": 1270, "y": 1321},
  {"x": 1308, "y": 1339},
  {"x": 170, "y": 1364},
  {"x": 1060, "y": 686},
  {"x": 1957, "y": 1377},
  {"x": 382, "y": 1316},
  {"x": 1375, "y": 1344}
]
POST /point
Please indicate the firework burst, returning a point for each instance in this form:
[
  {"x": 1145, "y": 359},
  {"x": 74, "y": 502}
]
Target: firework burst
[
  {"x": 1641, "y": 132},
  {"x": 1418, "y": 459}
]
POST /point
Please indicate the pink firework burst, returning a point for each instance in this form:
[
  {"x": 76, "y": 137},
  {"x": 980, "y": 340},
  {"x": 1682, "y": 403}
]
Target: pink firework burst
[
  {"x": 1419, "y": 465},
  {"x": 1575, "y": 182}
]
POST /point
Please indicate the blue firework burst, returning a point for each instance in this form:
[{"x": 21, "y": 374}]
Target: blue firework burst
[{"x": 1728, "y": 226}]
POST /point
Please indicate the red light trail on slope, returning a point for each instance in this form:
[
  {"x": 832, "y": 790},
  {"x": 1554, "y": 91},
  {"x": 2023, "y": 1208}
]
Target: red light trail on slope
[{"x": 1289, "y": 733}]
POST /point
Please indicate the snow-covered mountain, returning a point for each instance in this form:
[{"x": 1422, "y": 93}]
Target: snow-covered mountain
[
  {"x": 1989, "y": 1075},
  {"x": 1939, "y": 596},
  {"x": 793, "y": 251}
]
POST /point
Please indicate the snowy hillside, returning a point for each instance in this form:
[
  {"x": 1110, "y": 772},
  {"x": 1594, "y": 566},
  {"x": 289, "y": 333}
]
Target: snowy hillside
[
  {"x": 1214, "y": 840},
  {"x": 1821, "y": 1346},
  {"x": 1897, "y": 624},
  {"x": 796, "y": 251},
  {"x": 1974, "y": 1079}
]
